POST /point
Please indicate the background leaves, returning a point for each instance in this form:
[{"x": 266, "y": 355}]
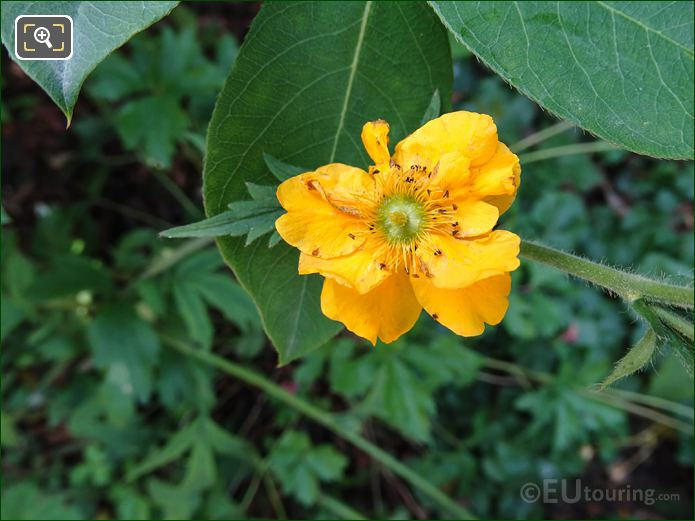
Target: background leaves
[
  {"x": 622, "y": 70},
  {"x": 322, "y": 76},
  {"x": 99, "y": 28}
]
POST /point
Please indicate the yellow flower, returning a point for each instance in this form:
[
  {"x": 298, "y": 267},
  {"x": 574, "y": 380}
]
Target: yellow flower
[{"x": 414, "y": 232}]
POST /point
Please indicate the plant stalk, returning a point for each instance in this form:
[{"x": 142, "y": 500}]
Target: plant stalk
[
  {"x": 678, "y": 323},
  {"x": 566, "y": 150},
  {"x": 628, "y": 286},
  {"x": 540, "y": 136}
]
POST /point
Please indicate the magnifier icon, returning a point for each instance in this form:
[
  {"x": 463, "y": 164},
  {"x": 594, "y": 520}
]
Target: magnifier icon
[{"x": 43, "y": 35}]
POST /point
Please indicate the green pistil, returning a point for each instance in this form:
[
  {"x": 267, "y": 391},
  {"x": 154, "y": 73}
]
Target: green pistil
[{"x": 401, "y": 218}]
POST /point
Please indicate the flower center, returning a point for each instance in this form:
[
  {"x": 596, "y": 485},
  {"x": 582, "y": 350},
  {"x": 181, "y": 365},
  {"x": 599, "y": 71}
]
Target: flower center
[{"x": 401, "y": 218}]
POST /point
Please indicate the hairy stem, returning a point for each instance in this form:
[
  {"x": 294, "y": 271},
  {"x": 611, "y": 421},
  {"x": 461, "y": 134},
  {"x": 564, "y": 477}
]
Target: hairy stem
[
  {"x": 629, "y": 286},
  {"x": 676, "y": 322},
  {"x": 327, "y": 420}
]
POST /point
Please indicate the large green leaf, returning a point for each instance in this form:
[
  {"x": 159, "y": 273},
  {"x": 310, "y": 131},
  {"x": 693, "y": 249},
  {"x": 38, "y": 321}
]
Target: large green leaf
[
  {"x": 622, "y": 70},
  {"x": 99, "y": 28},
  {"x": 306, "y": 79}
]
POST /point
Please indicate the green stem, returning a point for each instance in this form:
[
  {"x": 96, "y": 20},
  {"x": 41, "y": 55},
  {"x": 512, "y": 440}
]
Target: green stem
[
  {"x": 274, "y": 497},
  {"x": 327, "y": 420},
  {"x": 540, "y": 136},
  {"x": 627, "y": 285},
  {"x": 339, "y": 508},
  {"x": 178, "y": 194},
  {"x": 653, "y": 401},
  {"x": 167, "y": 260},
  {"x": 675, "y": 321},
  {"x": 566, "y": 150}
]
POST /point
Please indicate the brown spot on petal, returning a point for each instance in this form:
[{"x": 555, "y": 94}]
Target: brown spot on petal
[
  {"x": 446, "y": 194},
  {"x": 351, "y": 236},
  {"x": 382, "y": 266},
  {"x": 455, "y": 207},
  {"x": 437, "y": 252},
  {"x": 454, "y": 233},
  {"x": 315, "y": 253},
  {"x": 435, "y": 316}
]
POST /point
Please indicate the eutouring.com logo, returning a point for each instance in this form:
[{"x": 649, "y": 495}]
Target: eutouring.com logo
[{"x": 572, "y": 491}]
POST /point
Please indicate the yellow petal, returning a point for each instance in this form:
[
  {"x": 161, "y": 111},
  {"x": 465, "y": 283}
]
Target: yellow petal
[
  {"x": 473, "y": 218},
  {"x": 498, "y": 179},
  {"x": 471, "y": 134},
  {"x": 466, "y": 310},
  {"x": 321, "y": 232},
  {"x": 387, "y": 311},
  {"x": 375, "y": 138},
  {"x": 324, "y": 210},
  {"x": 451, "y": 173},
  {"x": 361, "y": 270},
  {"x": 335, "y": 183},
  {"x": 455, "y": 263}
]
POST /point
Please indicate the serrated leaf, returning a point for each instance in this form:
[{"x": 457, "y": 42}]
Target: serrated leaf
[
  {"x": 129, "y": 503},
  {"x": 118, "y": 337},
  {"x": 175, "y": 501},
  {"x": 226, "y": 443},
  {"x": 10, "y": 317},
  {"x": 281, "y": 170},
  {"x": 68, "y": 275},
  {"x": 399, "y": 398},
  {"x": 636, "y": 358},
  {"x": 618, "y": 69},
  {"x": 98, "y": 29},
  {"x": 226, "y": 295},
  {"x": 201, "y": 471},
  {"x": 314, "y": 117},
  {"x": 152, "y": 125},
  {"x": 192, "y": 309},
  {"x": 327, "y": 463},
  {"x": 175, "y": 447},
  {"x": 300, "y": 467},
  {"x": 23, "y": 500}
]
